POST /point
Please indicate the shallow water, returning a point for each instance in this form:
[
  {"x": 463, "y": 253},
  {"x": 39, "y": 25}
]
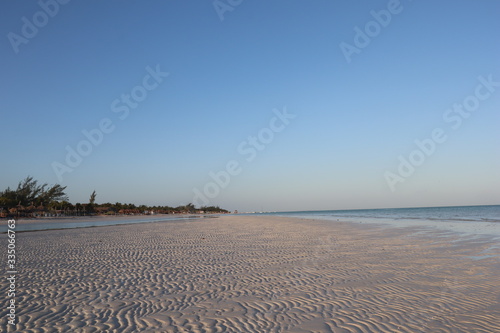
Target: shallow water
[
  {"x": 96, "y": 222},
  {"x": 471, "y": 220}
]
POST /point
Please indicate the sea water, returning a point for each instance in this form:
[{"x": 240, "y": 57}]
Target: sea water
[
  {"x": 470, "y": 220},
  {"x": 95, "y": 222}
]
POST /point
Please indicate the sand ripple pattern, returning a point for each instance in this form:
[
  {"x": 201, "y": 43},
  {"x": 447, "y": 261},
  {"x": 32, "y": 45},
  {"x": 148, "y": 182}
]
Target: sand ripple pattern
[{"x": 254, "y": 274}]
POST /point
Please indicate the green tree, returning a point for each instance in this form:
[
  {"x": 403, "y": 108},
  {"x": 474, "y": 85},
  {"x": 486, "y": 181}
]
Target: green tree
[
  {"x": 92, "y": 198},
  {"x": 91, "y": 205},
  {"x": 54, "y": 193},
  {"x": 190, "y": 208},
  {"x": 29, "y": 192},
  {"x": 8, "y": 198}
]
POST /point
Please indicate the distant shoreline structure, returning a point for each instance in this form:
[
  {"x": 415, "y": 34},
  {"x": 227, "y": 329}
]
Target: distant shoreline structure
[
  {"x": 30, "y": 213},
  {"x": 33, "y": 200}
]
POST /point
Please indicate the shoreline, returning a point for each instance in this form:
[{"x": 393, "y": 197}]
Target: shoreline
[
  {"x": 255, "y": 273},
  {"x": 466, "y": 228},
  {"x": 96, "y": 222},
  {"x": 70, "y": 219}
]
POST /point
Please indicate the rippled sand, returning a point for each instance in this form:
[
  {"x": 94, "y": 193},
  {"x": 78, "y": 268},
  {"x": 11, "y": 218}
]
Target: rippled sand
[{"x": 254, "y": 274}]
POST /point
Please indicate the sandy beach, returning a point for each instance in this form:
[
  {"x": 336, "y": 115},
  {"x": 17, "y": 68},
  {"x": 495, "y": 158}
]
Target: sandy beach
[{"x": 254, "y": 274}]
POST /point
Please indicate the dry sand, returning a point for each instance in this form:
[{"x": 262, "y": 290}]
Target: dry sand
[{"x": 253, "y": 274}]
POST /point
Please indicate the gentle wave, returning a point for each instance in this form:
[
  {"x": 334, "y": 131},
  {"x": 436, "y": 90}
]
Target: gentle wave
[{"x": 472, "y": 220}]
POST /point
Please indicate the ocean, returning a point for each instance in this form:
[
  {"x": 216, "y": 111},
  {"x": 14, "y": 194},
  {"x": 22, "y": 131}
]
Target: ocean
[{"x": 472, "y": 220}]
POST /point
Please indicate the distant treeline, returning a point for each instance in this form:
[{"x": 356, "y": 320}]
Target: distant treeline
[{"x": 30, "y": 199}]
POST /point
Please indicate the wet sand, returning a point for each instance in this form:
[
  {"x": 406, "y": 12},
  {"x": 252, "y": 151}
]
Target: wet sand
[{"x": 254, "y": 274}]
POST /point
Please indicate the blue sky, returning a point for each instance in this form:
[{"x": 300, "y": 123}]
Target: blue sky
[{"x": 352, "y": 120}]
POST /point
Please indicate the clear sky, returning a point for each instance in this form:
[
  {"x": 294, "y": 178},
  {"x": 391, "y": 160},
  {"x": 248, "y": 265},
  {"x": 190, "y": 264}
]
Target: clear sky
[{"x": 293, "y": 105}]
